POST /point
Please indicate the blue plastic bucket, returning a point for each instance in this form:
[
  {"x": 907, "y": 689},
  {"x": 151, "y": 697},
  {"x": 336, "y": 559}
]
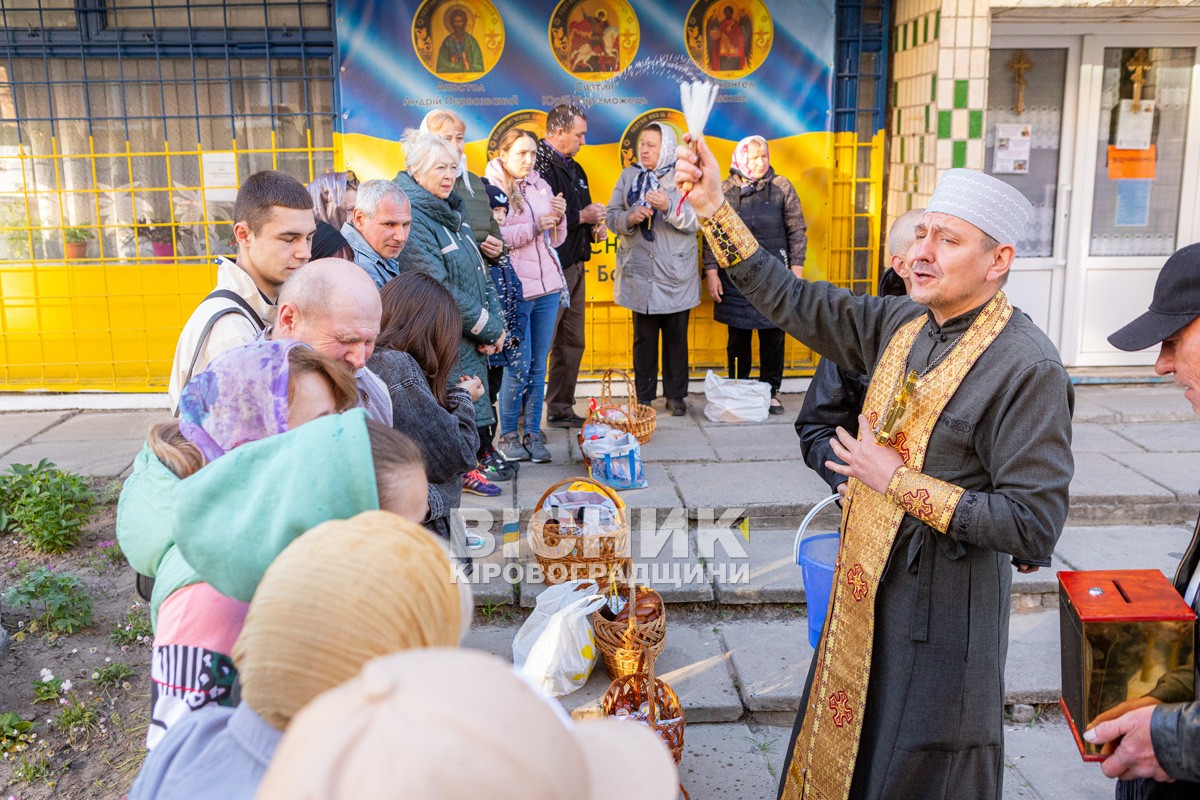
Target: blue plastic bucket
[{"x": 816, "y": 556}]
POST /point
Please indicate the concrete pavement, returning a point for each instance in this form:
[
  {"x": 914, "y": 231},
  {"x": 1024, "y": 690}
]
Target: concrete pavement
[{"x": 737, "y": 650}]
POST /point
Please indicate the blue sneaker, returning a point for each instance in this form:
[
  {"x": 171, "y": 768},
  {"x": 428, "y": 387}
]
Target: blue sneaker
[{"x": 475, "y": 483}]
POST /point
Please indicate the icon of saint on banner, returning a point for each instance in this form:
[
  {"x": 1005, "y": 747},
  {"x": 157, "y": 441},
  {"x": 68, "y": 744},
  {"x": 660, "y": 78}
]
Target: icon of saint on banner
[
  {"x": 458, "y": 40},
  {"x": 728, "y": 38},
  {"x": 594, "y": 40}
]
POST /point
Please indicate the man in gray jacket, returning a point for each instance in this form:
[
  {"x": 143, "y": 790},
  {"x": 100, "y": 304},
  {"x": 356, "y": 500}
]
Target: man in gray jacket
[{"x": 1153, "y": 745}]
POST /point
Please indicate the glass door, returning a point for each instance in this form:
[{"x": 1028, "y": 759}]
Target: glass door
[
  {"x": 1029, "y": 144},
  {"x": 1138, "y": 132}
]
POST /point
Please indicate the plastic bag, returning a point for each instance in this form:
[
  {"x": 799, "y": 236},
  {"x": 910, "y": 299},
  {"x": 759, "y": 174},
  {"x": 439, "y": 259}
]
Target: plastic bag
[
  {"x": 616, "y": 460},
  {"x": 731, "y": 400},
  {"x": 556, "y": 647}
]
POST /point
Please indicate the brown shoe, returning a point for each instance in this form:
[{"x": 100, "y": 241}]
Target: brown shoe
[{"x": 677, "y": 406}]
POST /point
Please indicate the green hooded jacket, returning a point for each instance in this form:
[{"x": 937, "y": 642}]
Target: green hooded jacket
[{"x": 225, "y": 524}]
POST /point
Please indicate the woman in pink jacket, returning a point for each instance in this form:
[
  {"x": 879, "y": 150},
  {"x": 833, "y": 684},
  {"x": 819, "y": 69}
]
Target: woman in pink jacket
[{"x": 535, "y": 225}]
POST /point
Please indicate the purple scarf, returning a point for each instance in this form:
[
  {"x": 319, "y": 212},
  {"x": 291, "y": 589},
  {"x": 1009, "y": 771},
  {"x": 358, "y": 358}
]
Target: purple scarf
[{"x": 242, "y": 396}]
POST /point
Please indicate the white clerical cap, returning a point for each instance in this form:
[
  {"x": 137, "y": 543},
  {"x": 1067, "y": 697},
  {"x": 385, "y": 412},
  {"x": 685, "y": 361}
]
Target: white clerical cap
[{"x": 988, "y": 203}]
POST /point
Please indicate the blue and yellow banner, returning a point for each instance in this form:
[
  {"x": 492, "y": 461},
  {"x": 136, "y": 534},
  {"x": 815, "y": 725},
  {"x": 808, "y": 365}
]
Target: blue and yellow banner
[{"x": 500, "y": 63}]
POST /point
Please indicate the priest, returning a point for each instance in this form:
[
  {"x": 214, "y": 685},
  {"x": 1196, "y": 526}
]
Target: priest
[{"x": 962, "y": 461}]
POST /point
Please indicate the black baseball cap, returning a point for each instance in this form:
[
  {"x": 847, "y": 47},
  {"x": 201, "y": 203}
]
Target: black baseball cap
[{"x": 1176, "y": 302}]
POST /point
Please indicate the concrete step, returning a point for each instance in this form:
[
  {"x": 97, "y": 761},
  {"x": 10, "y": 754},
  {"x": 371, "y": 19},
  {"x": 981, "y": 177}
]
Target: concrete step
[{"x": 753, "y": 666}]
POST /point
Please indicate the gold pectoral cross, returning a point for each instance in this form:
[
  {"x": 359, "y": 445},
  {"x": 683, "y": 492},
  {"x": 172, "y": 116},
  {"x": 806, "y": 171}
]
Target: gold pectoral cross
[{"x": 896, "y": 410}]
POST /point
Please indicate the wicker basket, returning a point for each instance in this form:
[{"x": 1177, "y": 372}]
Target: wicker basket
[
  {"x": 644, "y": 418},
  {"x": 621, "y": 642},
  {"x": 565, "y": 554},
  {"x": 666, "y": 713},
  {"x": 601, "y": 415}
]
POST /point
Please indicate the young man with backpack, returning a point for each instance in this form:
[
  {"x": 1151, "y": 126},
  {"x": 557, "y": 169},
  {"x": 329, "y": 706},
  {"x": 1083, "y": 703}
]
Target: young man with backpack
[{"x": 273, "y": 227}]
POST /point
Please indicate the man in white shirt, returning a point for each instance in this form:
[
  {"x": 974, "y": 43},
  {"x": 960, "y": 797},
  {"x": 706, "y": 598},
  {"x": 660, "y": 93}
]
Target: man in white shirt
[{"x": 273, "y": 227}]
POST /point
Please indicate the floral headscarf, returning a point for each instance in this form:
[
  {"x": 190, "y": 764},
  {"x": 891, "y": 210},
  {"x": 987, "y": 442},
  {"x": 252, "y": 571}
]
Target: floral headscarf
[
  {"x": 242, "y": 396},
  {"x": 740, "y": 164},
  {"x": 647, "y": 179},
  {"x": 329, "y": 196}
]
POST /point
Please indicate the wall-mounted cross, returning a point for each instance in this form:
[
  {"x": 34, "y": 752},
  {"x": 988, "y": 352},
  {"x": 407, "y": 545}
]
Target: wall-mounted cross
[
  {"x": 1018, "y": 66},
  {"x": 1137, "y": 66}
]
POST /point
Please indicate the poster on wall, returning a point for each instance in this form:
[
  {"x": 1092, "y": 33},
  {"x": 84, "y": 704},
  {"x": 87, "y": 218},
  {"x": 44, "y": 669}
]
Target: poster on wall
[
  {"x": 494, "y": 61},
  {"x": 1012, "y": 150}
]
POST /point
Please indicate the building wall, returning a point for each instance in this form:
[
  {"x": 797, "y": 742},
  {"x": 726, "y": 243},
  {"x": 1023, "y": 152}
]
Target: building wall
[{"x": 939, "y": 82}]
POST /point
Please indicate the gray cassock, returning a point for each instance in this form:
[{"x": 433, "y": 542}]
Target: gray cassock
[{"x": 933, "y": 724}]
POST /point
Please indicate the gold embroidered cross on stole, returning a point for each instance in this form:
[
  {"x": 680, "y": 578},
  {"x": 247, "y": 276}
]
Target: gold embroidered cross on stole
[{"x": 895, "y": 412}]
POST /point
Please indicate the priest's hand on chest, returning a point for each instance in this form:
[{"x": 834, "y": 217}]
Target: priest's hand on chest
[{"x": 865, "y": 459}]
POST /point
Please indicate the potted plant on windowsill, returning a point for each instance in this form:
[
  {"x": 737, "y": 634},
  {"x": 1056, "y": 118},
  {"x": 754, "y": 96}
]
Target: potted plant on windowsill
[
  {"x": 75, "y": 242},
  {"x": 161, "y": 237}
]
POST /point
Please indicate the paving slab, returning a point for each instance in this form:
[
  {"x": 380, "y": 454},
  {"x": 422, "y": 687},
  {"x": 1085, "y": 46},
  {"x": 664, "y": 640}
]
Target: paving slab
[
  {"x": 1123, "y": 547},
  {"x": 1090, "y": 437},
  {"x": 1099, "y": 477},
  {"x": 678, "y": 443},
  {"x": 1161, "y": 437},
  {"x": 767, "y": 488},
  {"x": 760, "y": 570},
  {"x": 722, "y": 762},
  {"x": 1044, "y": 764},
  {"x": 91, "y": 426},
  {"x": 755, "y": 443},
  {"x": 17, "y": 427},
  {"x": 1161, "y": 403},
  {"x": 1176, "y": 471},
  {"x": 1088, "y": 410},
  {"x": 694, "y": 663},
  {"x": 770, "y": 660},
  {"x": 1033, "y": 672},
  {"x": 101, "y": 458},
  {"x": 494, "y": 639}
]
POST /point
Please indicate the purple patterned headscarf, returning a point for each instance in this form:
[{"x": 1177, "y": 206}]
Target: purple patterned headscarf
[{"x": 242, "y": 396}]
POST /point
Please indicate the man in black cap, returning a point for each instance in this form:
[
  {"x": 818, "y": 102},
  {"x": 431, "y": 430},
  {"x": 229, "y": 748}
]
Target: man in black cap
[{"x": 1153, "y": 743}]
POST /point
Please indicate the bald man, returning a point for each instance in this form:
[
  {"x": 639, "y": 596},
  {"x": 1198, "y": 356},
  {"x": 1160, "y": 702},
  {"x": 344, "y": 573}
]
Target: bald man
[{"x": 333, "y": 307}]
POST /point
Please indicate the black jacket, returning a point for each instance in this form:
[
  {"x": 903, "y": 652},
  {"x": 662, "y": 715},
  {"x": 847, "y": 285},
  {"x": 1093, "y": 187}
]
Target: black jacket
[{"x": 566, "y": 177}]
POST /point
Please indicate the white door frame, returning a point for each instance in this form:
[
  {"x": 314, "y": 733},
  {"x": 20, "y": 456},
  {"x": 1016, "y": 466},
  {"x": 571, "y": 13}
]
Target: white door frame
[{"x": 1084, "y": 84}]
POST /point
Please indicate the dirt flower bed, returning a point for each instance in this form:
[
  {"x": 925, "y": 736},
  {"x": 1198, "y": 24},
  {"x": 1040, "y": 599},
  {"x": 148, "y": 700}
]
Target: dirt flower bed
[{"x": 83, "y": 685}]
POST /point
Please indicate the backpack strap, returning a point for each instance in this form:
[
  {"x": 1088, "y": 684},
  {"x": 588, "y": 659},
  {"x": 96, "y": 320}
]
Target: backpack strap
[{"x": 240, "y": 306}]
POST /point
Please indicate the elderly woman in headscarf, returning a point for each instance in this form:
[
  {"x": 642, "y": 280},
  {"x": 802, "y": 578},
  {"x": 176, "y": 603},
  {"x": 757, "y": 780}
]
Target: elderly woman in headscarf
[
  {"x": 249, "y": 393},
  {"x": 771, "y": 209},
  {"x": 387, "y": 586},
  {"x": 657, "y": 275}
]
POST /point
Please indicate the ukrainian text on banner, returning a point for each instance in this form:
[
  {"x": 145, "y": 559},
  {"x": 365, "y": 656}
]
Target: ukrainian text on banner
[{"x": 505, "y": 63}]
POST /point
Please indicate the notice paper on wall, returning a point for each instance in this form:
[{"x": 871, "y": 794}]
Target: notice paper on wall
[
  {"x": 1133, "y": 203},
  {"x": 220, "y": 176},
  {"x": 1135, "y": 129},
  {"x": 1012, "y": 150}
]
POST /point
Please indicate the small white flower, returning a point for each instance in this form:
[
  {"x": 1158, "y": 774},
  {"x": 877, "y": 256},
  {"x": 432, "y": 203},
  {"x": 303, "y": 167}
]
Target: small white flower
[
  {"x": 47, "y": 675},
  {"x": 107, "y": 660},
  {"x": 66, "y": 687},
  {"x": 95, "y": 675}
]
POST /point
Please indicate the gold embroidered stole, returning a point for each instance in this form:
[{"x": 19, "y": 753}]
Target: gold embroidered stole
[{"x": 823, "y": 760}]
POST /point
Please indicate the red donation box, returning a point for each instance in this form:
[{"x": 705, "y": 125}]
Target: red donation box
[{"x": 1121, "y": 630}]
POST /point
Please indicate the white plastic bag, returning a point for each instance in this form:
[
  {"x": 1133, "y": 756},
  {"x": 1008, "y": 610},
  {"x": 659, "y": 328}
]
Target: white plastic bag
[
  {"x": 736, "y": 401},
  {"x": 556, "y": 647}
]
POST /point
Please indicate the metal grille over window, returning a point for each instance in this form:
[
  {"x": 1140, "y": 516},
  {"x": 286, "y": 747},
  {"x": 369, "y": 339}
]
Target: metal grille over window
[{"x": 125, "y": 129}]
